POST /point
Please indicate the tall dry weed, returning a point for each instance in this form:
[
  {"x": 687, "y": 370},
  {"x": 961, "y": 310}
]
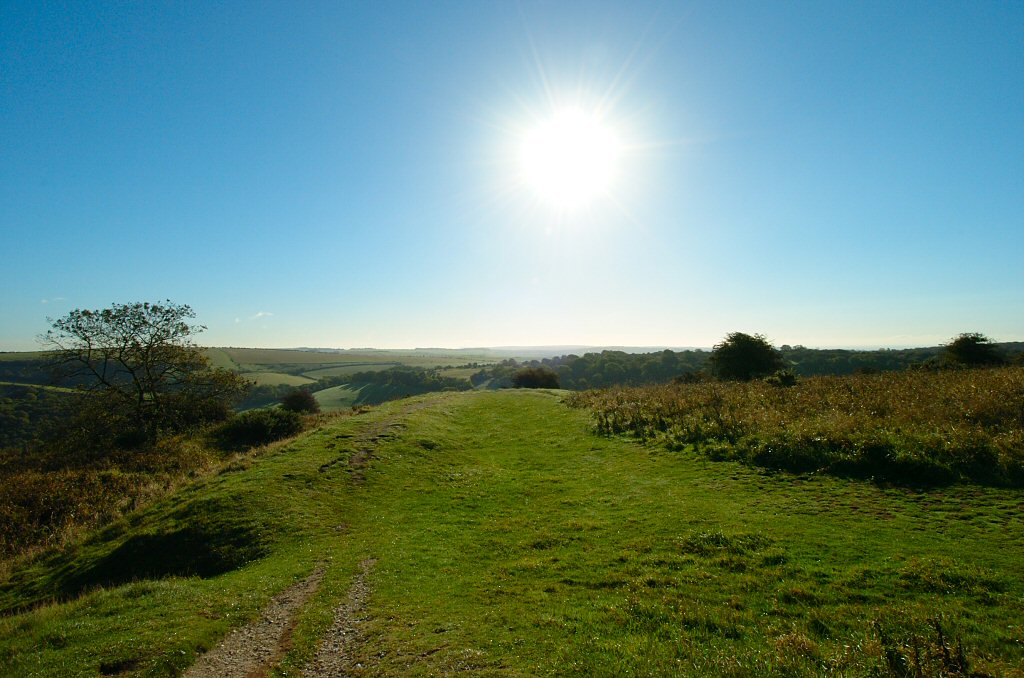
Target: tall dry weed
[{"x": 914, "y": 426}]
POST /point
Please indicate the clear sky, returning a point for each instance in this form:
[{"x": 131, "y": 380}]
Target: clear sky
[{"x": 353, "y": 174}]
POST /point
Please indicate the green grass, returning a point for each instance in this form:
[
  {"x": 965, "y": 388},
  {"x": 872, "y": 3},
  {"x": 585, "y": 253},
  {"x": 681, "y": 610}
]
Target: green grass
[
  {"x": 220, "y": 357},
  {"x": 348, "y": 369},
  {"x": 337, "y": 398},
  {"x": 41, "y": 387},
  {"x": 345, "y": 396},
  {"x": 511, "y": 541},
  {"x": 275, "y": 378},
  {"x": 460, "y": 372}
]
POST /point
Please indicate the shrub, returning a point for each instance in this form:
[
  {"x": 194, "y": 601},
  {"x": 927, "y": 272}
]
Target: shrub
[
  {"x": 782, "y": 379},
  {"x": 300, "y": 400},
  {"x": 258, "y": 427},
  {"x": 52, "y": 494},
  {"x": 535, "y": 377},
  {"x": 691, "y": 377}
]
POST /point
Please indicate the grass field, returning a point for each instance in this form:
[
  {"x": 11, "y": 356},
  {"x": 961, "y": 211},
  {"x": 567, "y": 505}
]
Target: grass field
[
  {"x": 220, "y": 357},
  {"x": 21, "y": 355},
  {"x": 459, "y": 372},
  {"x": 345, "y": 396},
  {"x": 348, "y": 369},
  {"x": 42, "y": 387},
  {"x": 337, "y": 398},
  {"x": 274, "y": 378},
  {"x": 509, "y": 540},
  {"x": 297, "y": 367}
]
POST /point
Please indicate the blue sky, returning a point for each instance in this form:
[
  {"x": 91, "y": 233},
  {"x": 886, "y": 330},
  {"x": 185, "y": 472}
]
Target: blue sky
[{"x": 347, "y": 174}]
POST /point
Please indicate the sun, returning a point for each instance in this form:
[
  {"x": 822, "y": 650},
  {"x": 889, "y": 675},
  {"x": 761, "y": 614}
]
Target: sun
[{"x": 569, "y": 159}]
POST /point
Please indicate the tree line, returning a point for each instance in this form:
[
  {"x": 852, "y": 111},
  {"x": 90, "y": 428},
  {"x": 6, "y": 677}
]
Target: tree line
[{"x": 741, "y": 356}]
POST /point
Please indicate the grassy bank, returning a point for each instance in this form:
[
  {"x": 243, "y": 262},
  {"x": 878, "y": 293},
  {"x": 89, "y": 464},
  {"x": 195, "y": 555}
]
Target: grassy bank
[
  {"x": 509, "y": 540},
  {"x": 913, "y": 427},
  {"x": 49, "y": 499},
  {"x": 52, "y": 494}
]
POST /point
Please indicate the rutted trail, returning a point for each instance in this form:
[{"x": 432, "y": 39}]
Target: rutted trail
[
  {"x": 365, "y": 443},
  {"x": 252, "y": 650},
  {"x": 334, "y": 658}
]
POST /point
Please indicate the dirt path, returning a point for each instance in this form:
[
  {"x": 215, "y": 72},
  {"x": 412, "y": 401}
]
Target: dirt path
[
  {"x": 252, "y": 650},
  {"x": 334, "y": 658},
  {"x": 359, "y": 457}
]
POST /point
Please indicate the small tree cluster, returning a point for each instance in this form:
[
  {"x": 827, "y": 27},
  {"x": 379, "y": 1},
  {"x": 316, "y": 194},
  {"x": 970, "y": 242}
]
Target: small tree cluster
[
  {"x": 535, "y": 377},
  {"x": 972, "y": 349},
  {"x": 302, "y": 401},
  {"x": 742, "y": 357}
]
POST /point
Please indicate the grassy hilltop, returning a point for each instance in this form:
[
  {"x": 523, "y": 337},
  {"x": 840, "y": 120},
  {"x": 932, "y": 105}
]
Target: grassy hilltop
[{"x": 498, "y": 534}]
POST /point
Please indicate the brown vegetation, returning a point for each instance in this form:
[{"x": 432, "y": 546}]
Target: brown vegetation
[
  {"x": 917, "y": 427},
  {"x": 49, "y": 498}
]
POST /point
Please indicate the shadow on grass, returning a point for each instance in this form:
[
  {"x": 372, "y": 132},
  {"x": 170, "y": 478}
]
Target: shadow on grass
[
  {"x": 191, "y": 551},
  {"x": 203, "y": 539}
]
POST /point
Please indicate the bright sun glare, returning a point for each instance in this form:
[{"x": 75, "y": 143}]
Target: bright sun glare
[{"x": 569, "y": 159}]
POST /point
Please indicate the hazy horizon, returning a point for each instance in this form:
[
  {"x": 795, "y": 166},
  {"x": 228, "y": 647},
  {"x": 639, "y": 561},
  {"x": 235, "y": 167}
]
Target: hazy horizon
[
  {"x": 518, "y": 174},
  {"x": 536, "y": 351}
]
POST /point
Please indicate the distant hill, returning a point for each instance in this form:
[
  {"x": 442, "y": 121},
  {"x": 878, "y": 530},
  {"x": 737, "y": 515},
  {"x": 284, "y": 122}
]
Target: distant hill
[{"x": 276, "y": 371}]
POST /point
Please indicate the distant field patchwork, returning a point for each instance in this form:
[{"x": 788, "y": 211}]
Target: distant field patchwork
[
  {"x": 276, "y": 378},
  {"x": 459, "y": 372},
  {"x": 318, "y": 359},
  {"x": 342, "y": 370},
  {"x": 290, "y": 367},
  {"x": 277, "y": 369}
]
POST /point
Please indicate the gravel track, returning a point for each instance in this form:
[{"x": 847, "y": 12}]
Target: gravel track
[
  {"x": 334, "y": 657},
  {"x": 253, "y": 649}
]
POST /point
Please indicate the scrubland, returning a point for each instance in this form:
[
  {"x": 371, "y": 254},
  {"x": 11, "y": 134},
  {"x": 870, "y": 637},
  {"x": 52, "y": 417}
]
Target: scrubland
[{"x": 915, "y": 427}]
